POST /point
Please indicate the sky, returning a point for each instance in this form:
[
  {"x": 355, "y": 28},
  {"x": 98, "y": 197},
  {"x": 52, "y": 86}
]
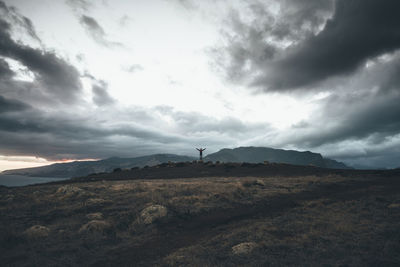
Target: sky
[{"x": 84, "y": 79}]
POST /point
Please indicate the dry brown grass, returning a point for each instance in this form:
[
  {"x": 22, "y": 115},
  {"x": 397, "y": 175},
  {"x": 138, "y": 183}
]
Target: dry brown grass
[
  {"x": 95, "y": 216},
  {"x": 68, "y": 190},
  {"x": 337, "y": 232},
  {"x": 95, "y": 201},
  {"x": 153, "y": 213},
  {"x": 244, "y": 248},
  {"x": 202, "y": 194},
  {"x": 288, "y": 220}
]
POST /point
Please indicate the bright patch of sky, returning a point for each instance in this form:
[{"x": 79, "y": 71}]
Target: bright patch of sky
[{"x": 171, "y": 51}]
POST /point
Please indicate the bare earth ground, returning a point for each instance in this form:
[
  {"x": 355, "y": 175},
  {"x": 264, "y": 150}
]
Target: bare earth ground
[{"x": 271, "y": 217}]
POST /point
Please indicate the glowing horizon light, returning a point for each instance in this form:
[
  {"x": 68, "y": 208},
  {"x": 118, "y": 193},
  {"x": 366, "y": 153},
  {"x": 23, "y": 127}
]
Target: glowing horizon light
[{"x": 19, "y": 162}]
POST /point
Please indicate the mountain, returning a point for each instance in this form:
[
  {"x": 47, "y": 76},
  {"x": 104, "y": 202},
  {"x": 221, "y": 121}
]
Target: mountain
[
  {"x": 261, "y": 154},
  {"x": 83, "y": 168}
]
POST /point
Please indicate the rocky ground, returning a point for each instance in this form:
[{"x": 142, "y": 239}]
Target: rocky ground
[{"x": 246, "y": 215}]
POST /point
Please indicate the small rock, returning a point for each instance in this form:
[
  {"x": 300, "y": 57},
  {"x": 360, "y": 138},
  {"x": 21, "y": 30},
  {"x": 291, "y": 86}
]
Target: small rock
[
  {"x": 153, "y": 213},
  {"x": 37, "y": 231},
  {"x": 244, "y": 248},
  {"x": 259, "y": 182},
  {"x": 95, "y": 226},
  {"x": 95, "y": 216}
]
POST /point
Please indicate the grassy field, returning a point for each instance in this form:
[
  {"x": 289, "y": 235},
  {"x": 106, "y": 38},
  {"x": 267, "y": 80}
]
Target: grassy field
[{"x": 311, "y": 220}]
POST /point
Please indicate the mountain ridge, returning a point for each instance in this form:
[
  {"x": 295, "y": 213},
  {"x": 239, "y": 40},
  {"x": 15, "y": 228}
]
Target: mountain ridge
[
  {"x": 260, "y": 154},
  {"x": 83, "y": 168},
  {"x": 240, "y": 154}
]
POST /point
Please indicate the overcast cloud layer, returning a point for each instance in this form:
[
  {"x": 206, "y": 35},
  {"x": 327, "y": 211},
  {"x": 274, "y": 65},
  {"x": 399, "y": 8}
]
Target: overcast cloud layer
[{"x": 339, "y": 57}]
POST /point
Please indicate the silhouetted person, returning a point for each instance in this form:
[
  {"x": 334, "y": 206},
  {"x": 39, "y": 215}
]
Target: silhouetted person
[{"x": 201, "y": 152}]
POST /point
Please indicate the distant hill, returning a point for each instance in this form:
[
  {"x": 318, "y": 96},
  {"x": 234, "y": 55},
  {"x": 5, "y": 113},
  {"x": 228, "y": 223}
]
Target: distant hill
[
  {"x": 241, "y": 154},
  {"x": 83, "y": 168},
  {"x": 261, "y": 154}
]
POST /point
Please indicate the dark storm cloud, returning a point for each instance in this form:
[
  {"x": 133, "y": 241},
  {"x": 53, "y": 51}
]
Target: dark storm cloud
[
  {"x": 137, "y": 132},
  {"x": 53, "y": 136},
  {"x": 101, "y": 97},
  {"x": 296, "y": 19},
  {"x": 359, "y": 125},
  {"x": 359, "y": 30},
  {"x": 97, "y": 32},
  {"x": 381, "y": 157},
  {"x": 34, "y": 121},
  {"x": 369, "y": 110},
  {"x": 244, "y": 46},
  {"x": 258, "y": 36},
  {"x": 5, "y": 71},
  {"x": 56, "y": 138},
  {"x": 377, "y": 118},
  {"x": 9, "y": 105},
  {"x": 53, "y": 76}
]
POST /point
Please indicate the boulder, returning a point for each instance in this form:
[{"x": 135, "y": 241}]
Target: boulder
[
  {"x": 37, "y": 231},
  {"x": 95, "y": 226}
]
